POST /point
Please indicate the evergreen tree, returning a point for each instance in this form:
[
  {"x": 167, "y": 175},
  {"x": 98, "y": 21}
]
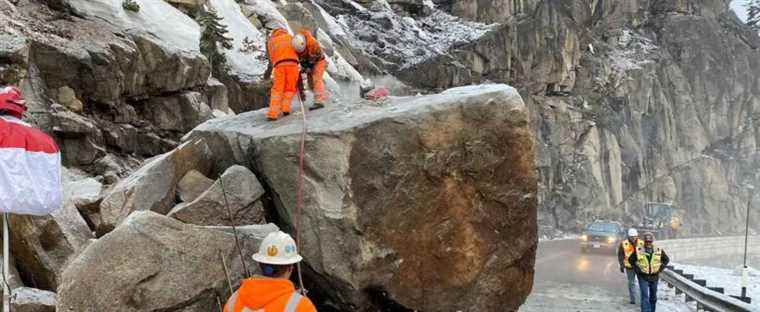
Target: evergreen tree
[
  {"x": 213, "y": 38},
  {"x": 753, "y": 14}
]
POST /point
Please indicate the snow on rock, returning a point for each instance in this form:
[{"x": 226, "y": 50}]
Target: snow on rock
[
  {"x": 403, "y": 42},
  {"x": 266, "y": 11},
  {"x": 247, "y": 58},
  {"x": 174, "y": 30}
]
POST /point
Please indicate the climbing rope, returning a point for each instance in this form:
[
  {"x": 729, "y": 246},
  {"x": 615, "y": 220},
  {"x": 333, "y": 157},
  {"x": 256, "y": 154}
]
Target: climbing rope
[{"x": 299, "y": 191}]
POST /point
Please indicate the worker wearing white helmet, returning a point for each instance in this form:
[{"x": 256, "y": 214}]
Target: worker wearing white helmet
[
  {"x": 273, "y": 291},
  {"x": 625, "y": 250},
  {"x": 313, "y": 65}
]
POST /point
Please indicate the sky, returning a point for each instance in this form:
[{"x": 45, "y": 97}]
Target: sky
[{"x": 738, "y": 7}]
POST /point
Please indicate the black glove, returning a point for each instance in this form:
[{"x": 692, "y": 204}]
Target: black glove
[{"x": 622, "y": 270}]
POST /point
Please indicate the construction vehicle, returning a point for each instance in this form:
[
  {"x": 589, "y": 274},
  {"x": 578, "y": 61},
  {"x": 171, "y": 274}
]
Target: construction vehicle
[{"x": 659, "y": 219}]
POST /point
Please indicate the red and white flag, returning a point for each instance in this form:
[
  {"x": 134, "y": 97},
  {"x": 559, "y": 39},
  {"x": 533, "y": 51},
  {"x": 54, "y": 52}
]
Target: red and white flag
[{"x": 30, "y": 169}]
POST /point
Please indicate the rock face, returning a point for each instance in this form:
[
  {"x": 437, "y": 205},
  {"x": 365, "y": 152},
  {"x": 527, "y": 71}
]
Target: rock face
[
  {"x": 411, "y": 199},
  {"x": 237, "y": 190},
  {"x": 151, "y": 262}
]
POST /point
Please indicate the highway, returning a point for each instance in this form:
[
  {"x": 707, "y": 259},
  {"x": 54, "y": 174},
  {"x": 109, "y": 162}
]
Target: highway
[{"x": 568, "y": 280}]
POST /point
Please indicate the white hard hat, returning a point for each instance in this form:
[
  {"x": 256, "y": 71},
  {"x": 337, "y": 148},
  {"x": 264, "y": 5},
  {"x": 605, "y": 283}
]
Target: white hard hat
[
  {"x": 299, "y": 43},
  {"x": 633, "y": 232},
  {"x": 278, "y": 248}
]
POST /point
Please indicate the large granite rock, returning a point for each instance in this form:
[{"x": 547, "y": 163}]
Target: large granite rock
[
  {"x": 155, "y": 263},
  {"x": 43, "y": 245},
  {"x": 415, "y": 199},
  {"x": 153, "y": 186},
  {"x": 231, "y": 200},
  {"x": 27, "y": 299}
]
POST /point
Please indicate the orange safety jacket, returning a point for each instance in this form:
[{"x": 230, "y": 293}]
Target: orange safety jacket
[
  {"x": 261, "y": 294},
  {"x": 280, "y": 47},
  {"x": 313, "y": 52}
]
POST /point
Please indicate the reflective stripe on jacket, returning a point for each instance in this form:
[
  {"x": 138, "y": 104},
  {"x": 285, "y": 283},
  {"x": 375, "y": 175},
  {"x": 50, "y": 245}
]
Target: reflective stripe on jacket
[{"x": 647, "y": 263}]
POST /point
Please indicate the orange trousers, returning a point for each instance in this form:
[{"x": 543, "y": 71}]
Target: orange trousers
[
  {"x": 317, "y": 83},
  {"x": 283, "y": 88}
]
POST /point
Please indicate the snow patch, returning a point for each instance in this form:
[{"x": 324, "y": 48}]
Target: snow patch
[
  {"x": 174, "y": 30},
  {"x": 631, "y": 52},
  {"x": 730, "y": 280},
  {"x": 266, "y": 11},
  {"x": 247, "y": 59},
  {"x": 406, "y": 41}
]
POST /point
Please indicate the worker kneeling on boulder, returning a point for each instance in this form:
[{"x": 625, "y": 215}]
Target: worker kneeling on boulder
[
  {"x": 648, "y": 261},
  {"x": 272, "y": 292},
  {"x": 313, "y": 65},
  {"x": 284, "y": 61}
]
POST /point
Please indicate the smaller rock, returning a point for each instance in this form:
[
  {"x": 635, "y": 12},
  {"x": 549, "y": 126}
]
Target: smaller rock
[
  {"x": 192, "y": 185},
  {"x": 68, "y": 98},
  {"x": 27, "y": 299},
  {"x": 242, "y": 190}
]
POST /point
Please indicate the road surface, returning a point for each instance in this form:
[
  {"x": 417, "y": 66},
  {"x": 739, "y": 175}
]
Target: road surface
[{"x": 568, "y": 280}]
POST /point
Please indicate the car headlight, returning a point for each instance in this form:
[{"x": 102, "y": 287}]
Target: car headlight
[
  {"x": 611, "y": 239},
  {"x": 584, "y": 237}
]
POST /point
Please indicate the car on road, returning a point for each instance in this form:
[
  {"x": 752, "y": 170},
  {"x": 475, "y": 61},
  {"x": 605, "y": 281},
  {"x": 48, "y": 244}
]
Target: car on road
[{"x": 602, "y": 235}]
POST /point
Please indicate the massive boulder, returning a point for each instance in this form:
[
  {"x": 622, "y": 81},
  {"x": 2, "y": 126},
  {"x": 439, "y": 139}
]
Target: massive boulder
[
  {"x": 429, "y": 202},
  {"x": 155, "y": 263}
]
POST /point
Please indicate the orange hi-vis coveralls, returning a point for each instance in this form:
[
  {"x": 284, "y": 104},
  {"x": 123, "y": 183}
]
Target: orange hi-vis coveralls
[
  {"x": 260, "y": 294},
  {"x": 285, "y": 70},
  {"x": 314, "y": 62}
]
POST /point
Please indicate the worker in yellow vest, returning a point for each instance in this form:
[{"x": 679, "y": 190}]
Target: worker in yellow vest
[
  {"x": 648, "y": 261},
  {"x": 625, "y": 250}
]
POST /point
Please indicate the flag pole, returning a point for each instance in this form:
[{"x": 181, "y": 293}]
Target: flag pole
[{"x": 6, "y": 265}]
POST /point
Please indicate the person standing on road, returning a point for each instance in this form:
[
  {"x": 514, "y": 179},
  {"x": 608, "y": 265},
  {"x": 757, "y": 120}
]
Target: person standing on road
[
  {"x": 648, "y": 261},
  {"x": 625, "y": 250}
]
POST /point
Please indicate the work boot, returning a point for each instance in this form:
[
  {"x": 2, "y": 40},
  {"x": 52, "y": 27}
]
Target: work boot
[
  {"x": 317, "y": 106},
  {"x": 271, "y": 118},
  {"x": 286, "y": 113}
]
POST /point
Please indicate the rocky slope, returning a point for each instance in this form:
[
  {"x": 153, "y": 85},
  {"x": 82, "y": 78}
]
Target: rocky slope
[{"x": 629, "y": 101}]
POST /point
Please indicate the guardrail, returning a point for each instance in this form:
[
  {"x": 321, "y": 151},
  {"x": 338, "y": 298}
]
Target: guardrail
[{"x": 707, "y": 298}]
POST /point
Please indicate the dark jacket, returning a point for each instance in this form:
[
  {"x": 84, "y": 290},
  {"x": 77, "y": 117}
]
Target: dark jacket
[{"x": 649, "y": 277}]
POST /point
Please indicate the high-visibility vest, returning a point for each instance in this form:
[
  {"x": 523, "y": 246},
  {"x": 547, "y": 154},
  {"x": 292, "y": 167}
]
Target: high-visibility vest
[
  {"x": 280, "y": 47},
  {"x": 649, "y": 263},
  {"x": 628, "y": 250}
]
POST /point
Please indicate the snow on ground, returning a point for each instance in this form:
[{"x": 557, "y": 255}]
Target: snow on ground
[
  {"x": 407, "y": 41},
  {"x": 566, "y": 297},
  {"x": 246, "y": 58},
  {"x": 729, "y": 279}
]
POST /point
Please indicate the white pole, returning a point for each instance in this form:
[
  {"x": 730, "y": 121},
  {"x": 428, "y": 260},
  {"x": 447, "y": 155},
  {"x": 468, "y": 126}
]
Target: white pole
[{"x": 6, "y": 265}]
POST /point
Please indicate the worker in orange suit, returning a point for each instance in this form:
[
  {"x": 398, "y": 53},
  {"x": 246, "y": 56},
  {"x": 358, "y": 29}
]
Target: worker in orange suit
[
  {"x": 284, "y": 61},
  {"x": 273, "y": 291},
  {"x": 313, "y": 64}
]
